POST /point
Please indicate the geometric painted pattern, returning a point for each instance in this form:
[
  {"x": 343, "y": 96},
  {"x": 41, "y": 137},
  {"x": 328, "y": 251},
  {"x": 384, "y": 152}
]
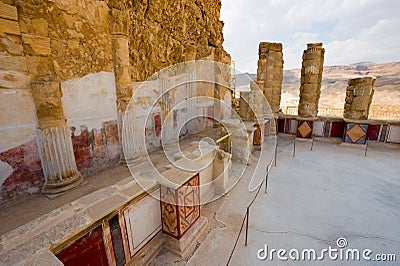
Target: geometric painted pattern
[
  {"x": 305, "y": 129},
  {"x": 356, "y": 133},
  {"x": 180, "y": 208},
  {"x": 383, "y": 133}
]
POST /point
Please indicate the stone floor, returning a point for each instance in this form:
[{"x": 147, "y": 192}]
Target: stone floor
[{"x": 313, "y": 199}]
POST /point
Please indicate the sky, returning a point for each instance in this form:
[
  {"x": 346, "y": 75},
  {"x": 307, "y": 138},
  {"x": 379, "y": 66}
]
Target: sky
[{"x": 351, "y": 31}]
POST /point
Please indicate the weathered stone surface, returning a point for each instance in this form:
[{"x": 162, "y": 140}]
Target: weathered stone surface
[
  {"x": 40, "y": 68},
  {"x": 47, "y": 98},
  {"x": 9, "y": 26},
  {"x": 270, "y": 71},
  {"x": 311, "y": 77},
  {"x": 40, "y": 26},
  {"x": 8, "y": 12},
  {"x": 36, "y": 45},
  {"x": 119, "y": 22},
  {"x": 11, "y": 44},
  {"x": 13, "y": 63},
  {"x": 191, "y": 23},
  {"x": 13, "y": 80},
  {"x": 359, "y": 95}
]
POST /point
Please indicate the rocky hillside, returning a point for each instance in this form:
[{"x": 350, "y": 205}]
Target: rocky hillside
[{"x": 387, "y": 85}]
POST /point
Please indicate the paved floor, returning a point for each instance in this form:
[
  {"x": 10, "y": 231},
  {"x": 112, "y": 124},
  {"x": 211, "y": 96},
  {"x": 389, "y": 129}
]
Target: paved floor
[{"x": 313, "y": 199}]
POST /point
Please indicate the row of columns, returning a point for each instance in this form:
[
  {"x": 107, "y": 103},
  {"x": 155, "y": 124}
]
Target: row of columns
[
  {"x": 54, "y": 137},
  {"x": 53, "y": 134},
  {"x": 270, "y": 74}
]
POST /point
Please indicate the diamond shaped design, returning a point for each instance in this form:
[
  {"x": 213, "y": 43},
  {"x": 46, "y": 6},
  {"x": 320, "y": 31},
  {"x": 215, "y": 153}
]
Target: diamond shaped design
[
  {"x": 304, "y": 129},
  {"x": 356, "y": 133}
]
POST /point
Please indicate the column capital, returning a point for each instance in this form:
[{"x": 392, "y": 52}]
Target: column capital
[{"x": 47, "y": 99}]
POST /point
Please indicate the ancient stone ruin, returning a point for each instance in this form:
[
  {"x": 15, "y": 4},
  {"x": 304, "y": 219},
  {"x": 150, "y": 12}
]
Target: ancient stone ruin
[
  {"x": 311, "y": 78},
  {"x": 117, "y": 129},
  {"x": 270, "y": 73},
  {"x": 359, "y": 95}
]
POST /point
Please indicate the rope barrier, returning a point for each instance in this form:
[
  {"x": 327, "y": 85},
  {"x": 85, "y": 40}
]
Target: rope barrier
[{"x": 246, "y": 217}]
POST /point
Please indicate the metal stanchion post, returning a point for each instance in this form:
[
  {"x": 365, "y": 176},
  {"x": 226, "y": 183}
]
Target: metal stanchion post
[
  {"x": 294, "y": 147},
  {"x": 312, "y": 143},
  {"x": 247, "y": 225},
  {"x": 366, "y": 148},
  {"x": 266, "y": 181},
  {"x": 276, "y": 151}
]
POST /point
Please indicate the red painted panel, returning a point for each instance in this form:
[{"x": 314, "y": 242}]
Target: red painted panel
[
  {"x": 27, "y": 171},
  {"x": 87, "y": 250},
  {"x": 157, "y": 124},
  {"x": 112, "y": 140},
  {"x": 373, "y": 132},
  {"x": 98, "y": 143},
  {"x": 337, "y": 130},
  {"x": 82, "y": 148},
  {"x": 281, "y": 125}
]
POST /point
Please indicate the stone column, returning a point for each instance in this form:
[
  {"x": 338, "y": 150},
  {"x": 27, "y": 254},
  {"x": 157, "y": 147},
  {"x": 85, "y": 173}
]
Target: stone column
[
  {"x": 311, "y": 78},
  {"x": 270, "y": 72},
  {"x": 131, "y": 148},
  {"x": 54, "y": 139},
  {"x": 358, "y": 98}
]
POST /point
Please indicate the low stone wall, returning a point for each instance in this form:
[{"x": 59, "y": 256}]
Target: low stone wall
[{"x": 350, "y": 131}]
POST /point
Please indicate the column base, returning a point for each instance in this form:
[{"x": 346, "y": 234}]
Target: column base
[
  {"x": 61, "y": 186},
  {"x": 131, "y": 161},
  {"x": 186, "y": 245}
]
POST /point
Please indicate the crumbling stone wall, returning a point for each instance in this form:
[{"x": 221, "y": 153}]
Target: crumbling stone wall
[
  {"x": 162, "y": 32},
  {"x": 311, "y": 78},
  {"x": 359, "y": 95},
  {"x": 64, "y": 40}
]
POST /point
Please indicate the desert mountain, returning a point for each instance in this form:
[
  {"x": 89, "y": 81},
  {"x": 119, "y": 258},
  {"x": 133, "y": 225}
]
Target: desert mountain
[{"x": 334, "y": 83}]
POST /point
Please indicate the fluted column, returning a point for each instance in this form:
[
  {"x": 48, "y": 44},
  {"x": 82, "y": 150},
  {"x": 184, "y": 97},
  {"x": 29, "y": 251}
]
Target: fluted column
[
  {"x": 131, "y": 146},
  {"x": 358, "y": 98},
  {"x": 54, "y": 139},
  {"x": 311, "y": 78}
]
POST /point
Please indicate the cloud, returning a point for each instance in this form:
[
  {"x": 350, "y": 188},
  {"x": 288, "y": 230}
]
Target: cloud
[{"x": 352, "y": 31}]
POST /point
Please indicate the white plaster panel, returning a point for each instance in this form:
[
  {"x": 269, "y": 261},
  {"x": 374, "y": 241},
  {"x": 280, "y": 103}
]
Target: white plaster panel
[
  {"x": 90, "y": 100},
  {"x": 17, "y": 118},
  {"x": 293, "y": 126},
  {"x": 394, "y": 134},
  {"x": 143, "y": 221},
  {"x": 318, "y": 128}
]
